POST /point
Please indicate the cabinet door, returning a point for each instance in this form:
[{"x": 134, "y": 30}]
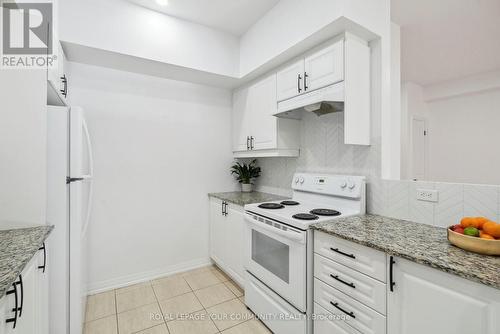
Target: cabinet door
[
  {"x": 235, "y": 229},
  {"x": 263, "y": 105},
  {"x": 28, "y": 321},
  {"x": 324, "y": 67},
  {"x": 290, "y": 81},
  {"x": 426, "y": 300},
  {"x": 217, "y": 233},
  {"x": 240, "y": 120},
  {"x": 43, "y": 291}
]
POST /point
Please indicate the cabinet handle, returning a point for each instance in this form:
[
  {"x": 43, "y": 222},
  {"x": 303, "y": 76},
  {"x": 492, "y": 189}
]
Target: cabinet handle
[
  {"x": 44, "y": 258},
  {"x": 342, "y": 281},
  {"x": 248, "y": 143},
  {"x": 14, "y": 319},
  {"x": 251, "y": 142},
  {"x": 20, "y": 308},
  {"x": 336, "y": 305},
  {"x": 391, "y": 275},
  {"x": 305, "y": 81},
  {"x": 298, "y": 83},
  {"x": 64, "y": 91},
  {"x": 340, "y": 252},
  {"x": 225, "y": 208},
  {"x": 222, "y": 208}
]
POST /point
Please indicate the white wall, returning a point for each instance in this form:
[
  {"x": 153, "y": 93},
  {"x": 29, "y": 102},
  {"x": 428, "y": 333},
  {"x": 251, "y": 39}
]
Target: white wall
[
  {"x": 123, "y": 27},
  {"x": 464, "y": 139},
  {"x": 462, "y": 120},
  {"x": 159, "y": 147},
  {"x": 23, "y": 97}
]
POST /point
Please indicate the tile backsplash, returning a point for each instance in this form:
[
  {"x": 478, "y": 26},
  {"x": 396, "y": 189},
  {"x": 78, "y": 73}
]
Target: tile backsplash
[
  {"x": 455, "y": 200},
  {"x": 323, "y": 151}
]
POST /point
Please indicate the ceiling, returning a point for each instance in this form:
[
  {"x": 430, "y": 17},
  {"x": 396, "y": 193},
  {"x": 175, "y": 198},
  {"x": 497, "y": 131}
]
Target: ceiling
[
  {"x": 232, "y": 16},
  {"x": 447, "y": 39}
]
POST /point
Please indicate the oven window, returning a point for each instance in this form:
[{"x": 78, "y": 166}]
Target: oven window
[{"x": 271, "y": 254}]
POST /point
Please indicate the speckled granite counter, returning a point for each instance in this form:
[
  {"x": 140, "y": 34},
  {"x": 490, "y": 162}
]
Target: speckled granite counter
[
  {"x": 424, "y": 244},
  {"x": 17, "y": 248},
  {"x": 241, "y": 198}
]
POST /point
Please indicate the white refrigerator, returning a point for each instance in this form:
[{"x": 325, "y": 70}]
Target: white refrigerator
[{"x": 69, "y": 203}]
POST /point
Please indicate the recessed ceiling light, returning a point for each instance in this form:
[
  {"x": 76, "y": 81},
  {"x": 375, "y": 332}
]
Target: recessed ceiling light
[{"x": 162, "y": 2}]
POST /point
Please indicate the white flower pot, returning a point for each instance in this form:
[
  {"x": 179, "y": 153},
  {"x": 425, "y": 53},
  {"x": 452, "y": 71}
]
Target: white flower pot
[{"x": 246, "y": 187}]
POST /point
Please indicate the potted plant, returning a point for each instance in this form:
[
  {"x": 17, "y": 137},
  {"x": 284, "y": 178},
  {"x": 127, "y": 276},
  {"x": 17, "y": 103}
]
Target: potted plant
[{"x": 245, "y": 174}]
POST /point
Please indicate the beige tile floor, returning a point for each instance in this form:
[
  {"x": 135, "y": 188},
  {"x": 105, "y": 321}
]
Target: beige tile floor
[{"x": 201, "y": 301}]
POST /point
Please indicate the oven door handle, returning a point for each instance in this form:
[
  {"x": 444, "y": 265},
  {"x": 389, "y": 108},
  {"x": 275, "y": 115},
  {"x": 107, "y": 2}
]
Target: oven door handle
[{"x": 295, "y": 236}]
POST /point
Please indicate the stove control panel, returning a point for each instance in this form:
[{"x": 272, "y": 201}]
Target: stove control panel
[{"x": 338, "y": 185}]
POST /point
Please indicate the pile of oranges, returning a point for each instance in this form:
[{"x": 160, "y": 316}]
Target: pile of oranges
[{"x": 478, "y": 227}]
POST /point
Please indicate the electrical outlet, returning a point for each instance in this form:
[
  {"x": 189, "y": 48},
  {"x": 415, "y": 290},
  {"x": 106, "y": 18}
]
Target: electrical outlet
[{"x": 427, "y": 195}]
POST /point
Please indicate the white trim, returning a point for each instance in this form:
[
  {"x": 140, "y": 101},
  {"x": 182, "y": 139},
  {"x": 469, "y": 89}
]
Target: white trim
[{"x": 123, "y": 281}]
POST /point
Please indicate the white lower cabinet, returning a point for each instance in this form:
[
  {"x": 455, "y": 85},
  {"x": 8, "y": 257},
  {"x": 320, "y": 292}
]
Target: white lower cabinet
[
  {"x": 227, "y": 228},
  {"x": 426, "y": 300},
  {"x": 31, "y": 292},
  {"x": 352, "y": 295}
]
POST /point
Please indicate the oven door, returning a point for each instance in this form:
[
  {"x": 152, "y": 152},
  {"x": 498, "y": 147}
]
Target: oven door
[{"x": 276, "y": 255}]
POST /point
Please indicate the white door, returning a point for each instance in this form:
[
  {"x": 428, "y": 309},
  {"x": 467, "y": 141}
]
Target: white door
[
  {"x": 218, "y": 233},
  {"x": 27, "y": 321},
  {"x": 263, "y": 105},
  {"x": 235, "y": 231},
  {"x": 418, "y": 147},
  {"x": 80, "y": 197},
  {"x": 241, "y": 120},
  {"x": 290, "y": 81},
  {"x": 43, "y": 289},
  {"x": 426, "y": 300},
  {"x": 324, "y": 67}
]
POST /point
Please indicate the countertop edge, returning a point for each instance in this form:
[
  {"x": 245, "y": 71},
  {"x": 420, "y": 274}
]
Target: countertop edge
[
  {"x": 410, "y": 257},
  {"x": 231, "y": 197},
  {"x": 22, "y": 265}
]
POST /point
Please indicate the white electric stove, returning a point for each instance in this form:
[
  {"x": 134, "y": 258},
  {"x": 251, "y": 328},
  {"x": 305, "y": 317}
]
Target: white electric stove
[{"x": 279, "y": 246}]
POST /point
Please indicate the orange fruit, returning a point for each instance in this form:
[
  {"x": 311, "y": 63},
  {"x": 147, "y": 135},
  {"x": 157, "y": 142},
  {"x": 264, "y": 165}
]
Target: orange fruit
[
  {"x": 492, "y": 229},
  {"x": 469, "y": 222},
  {"x": 486, "y": 236},
  {"x": 480, "y": 221}
]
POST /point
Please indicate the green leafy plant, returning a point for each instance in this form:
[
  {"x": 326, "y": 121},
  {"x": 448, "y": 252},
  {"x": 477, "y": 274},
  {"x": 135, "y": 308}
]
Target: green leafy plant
[{"x": 245, "y": 173}]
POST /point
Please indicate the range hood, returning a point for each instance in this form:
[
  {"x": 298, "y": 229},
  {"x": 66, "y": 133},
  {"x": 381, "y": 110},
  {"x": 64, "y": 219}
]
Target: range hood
[{"x": 321, "y": 101}]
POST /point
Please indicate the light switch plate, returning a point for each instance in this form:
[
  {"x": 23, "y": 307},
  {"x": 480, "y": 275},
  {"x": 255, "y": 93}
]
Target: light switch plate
[{"x": 428, "y": 195}]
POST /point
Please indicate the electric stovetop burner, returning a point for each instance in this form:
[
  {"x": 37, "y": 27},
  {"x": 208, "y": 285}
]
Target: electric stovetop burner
[
  {"x": 305, "y": 216},
  {"x": 290, "y": 203},
  {"x": 325, "y": 212},
  {"x": 271, "y": 206}
]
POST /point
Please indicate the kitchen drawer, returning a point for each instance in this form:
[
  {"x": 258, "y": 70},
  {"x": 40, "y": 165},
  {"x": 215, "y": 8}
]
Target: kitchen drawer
[
  {"x": 325, "y": 323},
  {"x": 364, "y": 318},
  {"x": 361, "y": 287},
  {"x": 358, "y": 257}
]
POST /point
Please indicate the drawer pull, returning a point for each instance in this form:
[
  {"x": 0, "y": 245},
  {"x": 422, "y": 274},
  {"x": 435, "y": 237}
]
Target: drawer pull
[
  {"x": 340, "y": 252},
  {"x": 342, "y": 281},
  {"x": 336, "y": 305}
]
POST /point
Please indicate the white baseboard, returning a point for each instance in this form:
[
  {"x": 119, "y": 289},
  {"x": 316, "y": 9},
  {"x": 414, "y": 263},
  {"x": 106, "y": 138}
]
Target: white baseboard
[{"x": 122, "y": 281}]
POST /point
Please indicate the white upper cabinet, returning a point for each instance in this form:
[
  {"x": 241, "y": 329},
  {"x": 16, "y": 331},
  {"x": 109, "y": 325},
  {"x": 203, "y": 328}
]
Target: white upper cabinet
[
  {"x": 324, "y": 67},
  {"x": 425, "y": 300},
  {"x": 256, "y": 132},
  {"x": 290, "y": 81}
]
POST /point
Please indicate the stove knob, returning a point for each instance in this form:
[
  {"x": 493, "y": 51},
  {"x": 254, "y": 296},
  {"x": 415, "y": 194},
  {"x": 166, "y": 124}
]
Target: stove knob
[
  {"x": 296, "y": 180},
  {"x": 351, "y": 185},
  {"x": 343, "y": 184},
  {"x": 301, "y": 180}
]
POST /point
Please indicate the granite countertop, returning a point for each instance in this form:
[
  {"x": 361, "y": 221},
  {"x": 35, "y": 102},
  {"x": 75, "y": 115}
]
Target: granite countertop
[
  {"x": 241, "y": 198},
  {"x": 17, "y": 248},
  {"x": 424, "y": 244}
]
